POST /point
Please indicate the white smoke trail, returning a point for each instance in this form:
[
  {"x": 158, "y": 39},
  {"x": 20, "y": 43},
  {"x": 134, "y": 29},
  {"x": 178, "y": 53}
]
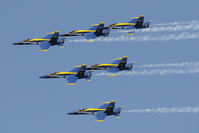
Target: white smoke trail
[
  {"x": 164, "y": 72},
  {"x": 182, "y": 64},
  {"x": 193, "y": 26},
  {"x": 176, "y": 23},
  {"x": 144, "y": 38},
  {"x": 171, "y": 68},
  {"x": 154, "y": 72},
  {"x": 166, "y": 110}
]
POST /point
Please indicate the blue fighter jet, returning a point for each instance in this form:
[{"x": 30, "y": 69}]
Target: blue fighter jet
[
  {"x": 120, "y": 64},
  {"x": 135, "y": 23},
  {"x": 79, "y": 72},
  {"x": 107, "y": 109},
  {"x": 95, "y": 31},
  {"x": 50, "y": 40}
]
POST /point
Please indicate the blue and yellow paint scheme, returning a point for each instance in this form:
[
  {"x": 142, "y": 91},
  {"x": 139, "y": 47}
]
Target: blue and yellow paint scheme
[
  {"x": 107, "y": 109},
  {"x": 95, "y": 31},
  {"x": 134, "y": 23},
  {"x": 50, "y": 40},
  {"x": 119, "y": 64},
  {"x": 79, "y": 72}
]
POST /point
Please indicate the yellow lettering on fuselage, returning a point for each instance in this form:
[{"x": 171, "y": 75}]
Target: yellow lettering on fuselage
[
  {"x": 38, "y": 40},
  {"x": 124, "y": 24},
  {"x": 94, "y": 109},
  {"x": 65, "y": 73},
  {"x": 84, "y": 31},
  {"x": 107, "y": 65}
]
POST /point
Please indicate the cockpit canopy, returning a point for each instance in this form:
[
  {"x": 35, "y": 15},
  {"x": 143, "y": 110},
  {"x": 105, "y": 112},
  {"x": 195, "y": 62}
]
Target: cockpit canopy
[{"x": 53, "y": 73}]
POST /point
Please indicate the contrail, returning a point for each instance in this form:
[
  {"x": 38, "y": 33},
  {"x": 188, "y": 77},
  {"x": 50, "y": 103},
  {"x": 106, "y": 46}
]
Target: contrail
[
  {"x": 177, "y": 23},
  {"x": 193, "y": 26},
  {"x": 153, "y": 72},
  {"x": 175, "y": 28},
  {"x": 182, "y": 64},
  {"x": 144, "y": 38},
  {"x": 166, "y": 110},
  {"x": 170, "y": 68}
]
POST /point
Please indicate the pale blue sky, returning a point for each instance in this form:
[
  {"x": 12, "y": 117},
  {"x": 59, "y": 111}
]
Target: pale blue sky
[{"x": 29, "y": 104}]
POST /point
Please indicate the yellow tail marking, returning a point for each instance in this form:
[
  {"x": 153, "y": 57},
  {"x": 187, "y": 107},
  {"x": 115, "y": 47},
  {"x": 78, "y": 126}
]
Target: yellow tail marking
[
  {"x": 95, "y": 24},
  {"x": 61, "y": 46},
  {"x": 117, "y": 116},
  {"x": 109, "y": 102}
]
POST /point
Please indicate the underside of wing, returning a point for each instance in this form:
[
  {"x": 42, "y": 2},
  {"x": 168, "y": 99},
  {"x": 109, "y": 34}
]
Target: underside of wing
[
  {"x": 44, "y": 46},
  {"x": 100, "y": 116},
  {"x": 90, "y": 35},
  {"x": 72, "y": 79}
]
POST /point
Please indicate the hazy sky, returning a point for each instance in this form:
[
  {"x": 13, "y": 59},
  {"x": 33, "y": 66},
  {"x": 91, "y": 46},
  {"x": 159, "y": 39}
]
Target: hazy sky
[{"x": 33, "y": 105}]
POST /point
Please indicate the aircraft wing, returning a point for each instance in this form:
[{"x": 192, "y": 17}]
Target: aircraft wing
[
  {"x": 72, "y": 79},
  {"x": 44, "y": 46},
  {"x": 90, "y": 35},
  {"x": 100, "y": 116}
]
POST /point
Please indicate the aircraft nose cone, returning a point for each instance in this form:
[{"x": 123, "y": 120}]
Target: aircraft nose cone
[
  {"x": 15, "y": 43},
  {"x": 70, "y": 113},
  {"x": 44, "y": 76}
]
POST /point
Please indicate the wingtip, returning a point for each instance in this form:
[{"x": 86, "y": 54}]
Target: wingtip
[
  {"x": 130, "y": 34},
  {"x": 71, "y": 84},
  {"x": 99, "y": 120},
  {"x": 90, "y": 41},
  {"x": 43, "y": 50},
  {"x": 112, "y": 75}
]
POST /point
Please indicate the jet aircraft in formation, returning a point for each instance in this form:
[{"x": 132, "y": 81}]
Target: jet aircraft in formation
[
  {"x": 95, "y": 31},
  {"x": 120, "y": 64},
  {"x": 83, "y": 72},
  {"x": 50, "y": 40},
  {"x": 134, "y": 23},
  {"x": 107, "y": 109},
  {"x": 79, "y": 72}
]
